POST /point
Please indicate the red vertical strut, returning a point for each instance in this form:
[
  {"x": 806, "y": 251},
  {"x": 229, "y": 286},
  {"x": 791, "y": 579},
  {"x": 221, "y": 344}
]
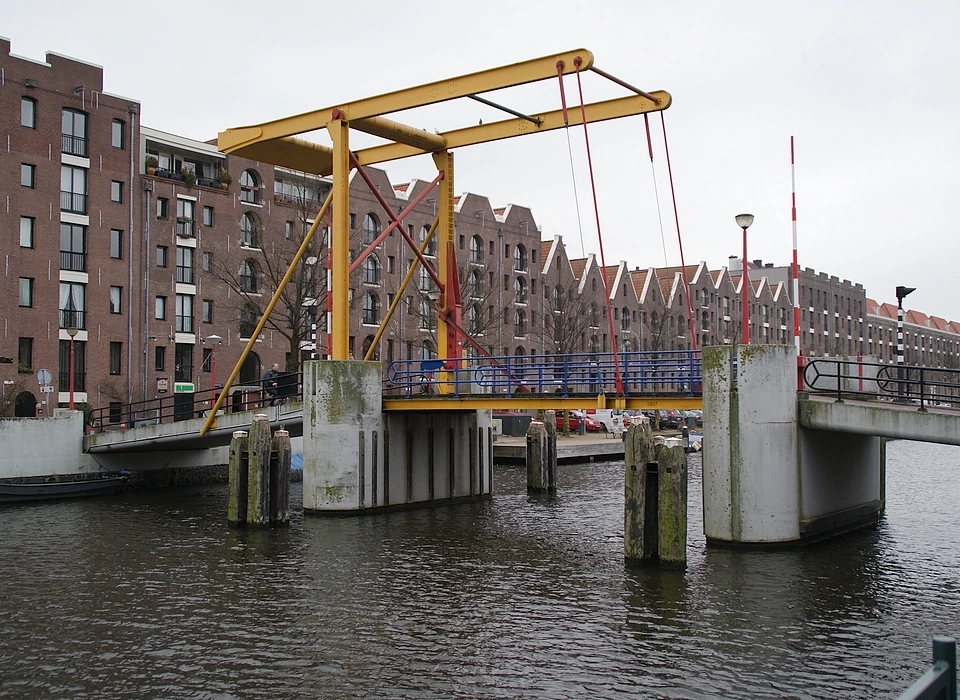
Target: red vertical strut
[
  {"x": 676, "y": 216},
  {"x": 586, "y": 137}
]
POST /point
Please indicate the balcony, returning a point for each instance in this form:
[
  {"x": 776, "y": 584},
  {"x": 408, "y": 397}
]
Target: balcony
[
  {"x": 79, "y": 380},
  {"x": 185, "y": 227},
  {"x": 70, "y": 318},
  {"x": 74, "y": 202},
  {"x": 75, "y": 262},
  {"x": 73, "y": 145},
  {"x": 184, "y": 274}
]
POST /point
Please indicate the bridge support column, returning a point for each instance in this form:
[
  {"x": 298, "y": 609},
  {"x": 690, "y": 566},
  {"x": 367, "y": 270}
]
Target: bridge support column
[
  {"x": 767, "y": 481},
  {"x": 357, "y": 458}
]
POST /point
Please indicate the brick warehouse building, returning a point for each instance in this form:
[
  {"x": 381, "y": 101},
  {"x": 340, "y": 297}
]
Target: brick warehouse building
[{"x": 166, "y": 244}]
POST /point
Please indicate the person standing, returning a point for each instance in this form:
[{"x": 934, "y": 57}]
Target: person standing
[{"x": 270, "y": 384}]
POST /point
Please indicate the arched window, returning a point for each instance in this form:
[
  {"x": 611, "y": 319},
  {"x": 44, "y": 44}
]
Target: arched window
[
  {"x": 249, "y": 230},
  {"x": 476, "y": 250},
  {"x": 426, "y": 350},
  {"x": 519, "y": 258},
  {"x": 371, "y": 229},
  {"x": 520, "y": 290},
  {"x": 519, "y": 324},
  {"x": 594, "y": 315},
  {"x": 558, "y": 297},
  {"x": 248, "y": 276},
  {"x": 371, "y": 308},
  {"x": 625, "y": 318},
  {"x": 250, "y": 187},
  {"x": 593, "y": 284},
  {"x": 367, "y": 342},
  {"x": 520, "y": 353},
  {"x": 431, "y": 249},
  {"x": 371, "y": 270}
]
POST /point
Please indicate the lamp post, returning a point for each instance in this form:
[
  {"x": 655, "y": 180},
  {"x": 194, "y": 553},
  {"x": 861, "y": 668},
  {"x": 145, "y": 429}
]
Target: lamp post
[
  {"x": 213, "y": 341},
  {"x": 901, "y": 293},
  {"x": 72, "y": 332},
  {"x": 744, "y": 221}
]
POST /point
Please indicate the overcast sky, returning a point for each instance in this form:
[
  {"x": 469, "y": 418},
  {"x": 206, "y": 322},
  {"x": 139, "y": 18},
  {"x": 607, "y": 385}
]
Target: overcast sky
[{"x": 868, "y": 89}]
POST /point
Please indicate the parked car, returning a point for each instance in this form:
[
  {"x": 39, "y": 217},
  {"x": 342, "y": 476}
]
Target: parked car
[
  {"x": 592, "y": 424},
  {"x": 571, "y": 420}
]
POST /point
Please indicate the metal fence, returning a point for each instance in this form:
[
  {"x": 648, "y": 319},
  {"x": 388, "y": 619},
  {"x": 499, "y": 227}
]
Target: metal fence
[{"x": 940, "y": 680}]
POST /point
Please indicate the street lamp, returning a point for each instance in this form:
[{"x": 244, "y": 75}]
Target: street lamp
[
  {"x": 72, "y": 332},
  {"x": 213, "y": 341},
  {"x": 901, "y": 293},
  {"x": 744, "y": 221}
]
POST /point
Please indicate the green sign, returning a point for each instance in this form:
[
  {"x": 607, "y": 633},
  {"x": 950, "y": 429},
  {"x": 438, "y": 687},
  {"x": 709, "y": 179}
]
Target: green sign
[{"x": 182, "y": 387}]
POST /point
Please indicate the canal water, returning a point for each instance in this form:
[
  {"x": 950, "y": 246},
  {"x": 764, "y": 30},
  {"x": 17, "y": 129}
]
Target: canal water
[{"x": 150, "y": 595}]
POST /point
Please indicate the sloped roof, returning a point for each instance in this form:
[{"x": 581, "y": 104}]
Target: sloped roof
[{"x": 578, "y": 265}]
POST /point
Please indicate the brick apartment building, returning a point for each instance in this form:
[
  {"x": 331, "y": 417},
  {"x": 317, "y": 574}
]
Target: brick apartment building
[{"x": 159, "y": 254}]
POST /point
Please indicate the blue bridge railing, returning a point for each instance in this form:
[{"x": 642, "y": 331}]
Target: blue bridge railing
[
  {"x": 940, "y": 680},
  {"x": 666, "y": 372}
]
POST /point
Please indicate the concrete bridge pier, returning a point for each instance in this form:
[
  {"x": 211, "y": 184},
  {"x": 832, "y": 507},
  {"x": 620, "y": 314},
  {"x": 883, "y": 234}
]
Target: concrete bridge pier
[
  {"x": 357, "y": 458},
  {"x": 767, "y": 481}
]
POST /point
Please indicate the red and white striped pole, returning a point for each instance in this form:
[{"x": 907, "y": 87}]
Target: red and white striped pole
[
  {"x": 329, "y": 284},
  {"x": 796, "y": 272}
]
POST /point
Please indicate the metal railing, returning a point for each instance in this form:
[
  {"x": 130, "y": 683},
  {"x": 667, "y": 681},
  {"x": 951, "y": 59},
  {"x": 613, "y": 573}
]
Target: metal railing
[
  {"x": 75, "y": 262},
  {"x": 909, "y": 384},
  {"x": 75, "y": 202},
  {"x": 176, "y": 407},
  {"x": 940, "y": 680},
  {"x": 71, "y": 318},
  {"x": 79, "y": 380},
  {"x": 649, "y": 372},
  {"x": 73, "y": 145}
]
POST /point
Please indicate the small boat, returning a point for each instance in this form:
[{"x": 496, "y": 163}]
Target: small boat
[{"x": 47, "y": 490}]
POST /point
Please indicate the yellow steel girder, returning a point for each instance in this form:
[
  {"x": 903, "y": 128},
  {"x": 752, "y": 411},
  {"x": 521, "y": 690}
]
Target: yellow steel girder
[{"x": 438, "y": 91}]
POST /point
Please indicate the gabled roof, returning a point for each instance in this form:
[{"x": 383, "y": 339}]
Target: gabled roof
[
  {"x": 917, "y": 318},
  {"x": 610, "y": 273},
  {"x": 888, "y": 310},
  {"x": 578, "y": 265}
]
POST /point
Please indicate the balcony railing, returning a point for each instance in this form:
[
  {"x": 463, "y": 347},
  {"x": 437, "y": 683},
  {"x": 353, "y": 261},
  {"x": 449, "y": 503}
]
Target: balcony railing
[
  {"x": 73, "y": 145},
  {"x": 184, "y": 324},
  {"x": 185, "y": 228},
  {"x": 73, "y": 319},
  {"x": 79, "y": 380},
  {"x": 74, "y": 202},
  {"x": 184, "y": 274},
  {"x": 75, "y": 262}
]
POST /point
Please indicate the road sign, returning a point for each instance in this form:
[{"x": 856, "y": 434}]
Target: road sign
[
  {"x": 46, "y": 389},
  {"x": 44, "y": 376}
]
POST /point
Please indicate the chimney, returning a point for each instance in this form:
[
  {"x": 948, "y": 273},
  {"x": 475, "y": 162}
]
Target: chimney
[
  {"x": 758, "y": 262},
  {"x": 733, "y": 264}
]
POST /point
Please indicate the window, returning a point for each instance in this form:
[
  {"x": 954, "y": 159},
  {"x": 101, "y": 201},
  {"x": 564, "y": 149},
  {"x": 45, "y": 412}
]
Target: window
[
  {"x": 183, "y": 362},
  {"x": 79, "y": 365},
  {"x": 520, "y": 290},
  {"x": 207, "y": 310},
  {"x": 160, "y": 312},
  {"x": 248, "y": 276},
  {"x": 519, "y": 324},
  {"x": 185, "y": 218},
  {"x": 73, "y": 189},
  {"x": 28, "y": 112},
  {"x": 248, "y": 322},
  {"x": 391, "y": 264},
  {"x": 371, "y": 229},
  {"x": 371, "y": 309},
  {"x": 371, "y": 270},
  {"x": 116, "y": 191},
  {"x": 184, "y": 321},
  {"x": 208, "y": 216},
  {"x": 162, "y": 208},
  {"x": 74, "y": 133},
  {"x": 206, "y": 361},
  {"x": 28, "y": 175},
  {"x": 431, "y": 248},
  {"x": 27, "y": 224},
  {"x": 73, "y": 247},
  {"x": 116, "y": 133},
  {"x": 25, "y": 355},
  {"x": 207, "y": 262},
  {"x": 159, "y": 358},
  {"x": 248, "y": 231},
  {"x": 353, "y": 221},
  {"x": 476, "y": 250},
  {"x": 116, "y": 243},
  {"x": 250, "y": 187},
  {"x": 26, "y": 291},
  {"x": 184, "y": 265},
  {"x": 287, "y": 229},
  {"x": 72, "y": 305},
  {"x": 116, "y": 352},
  {"x": 116, "y": 299},
  {"x": 161, "y": 256}
]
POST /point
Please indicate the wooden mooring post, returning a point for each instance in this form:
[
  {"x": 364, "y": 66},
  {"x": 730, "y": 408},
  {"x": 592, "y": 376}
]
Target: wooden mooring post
[
  {"x": 542, "y": 454},
  {"x": 259, "y": 490},
  {"x": 655, "y": 500}
]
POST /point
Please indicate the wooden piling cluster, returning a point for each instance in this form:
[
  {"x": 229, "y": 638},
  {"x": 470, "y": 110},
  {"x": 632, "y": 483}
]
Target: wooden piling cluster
[
  {"x": 655, "y": 500},
  {"x": 542, "y": 454},
  {"x": 259, "y": 491}
]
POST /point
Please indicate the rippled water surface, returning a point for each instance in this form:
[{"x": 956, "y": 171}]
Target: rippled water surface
[{"x": 150, "y": 595}]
